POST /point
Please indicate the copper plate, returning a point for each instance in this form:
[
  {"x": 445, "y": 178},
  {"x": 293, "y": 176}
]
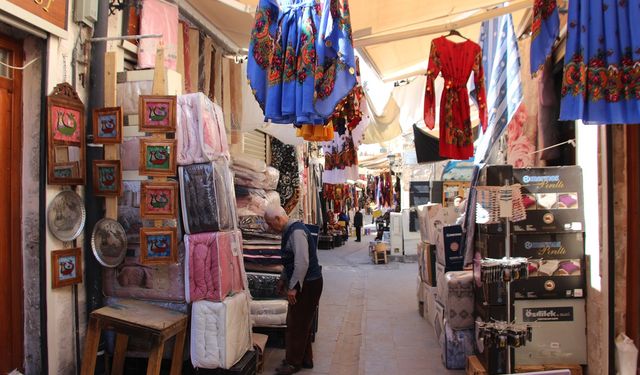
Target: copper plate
[
  {"x": 109, "y": 242},
  {"x": 66, "y": 216}
]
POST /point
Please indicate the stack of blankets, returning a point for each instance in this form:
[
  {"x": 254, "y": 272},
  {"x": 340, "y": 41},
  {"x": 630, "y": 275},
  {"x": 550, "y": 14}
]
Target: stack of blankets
[
  {"x": 255, "y": 191},
  {"x": 215, "y": 282}
]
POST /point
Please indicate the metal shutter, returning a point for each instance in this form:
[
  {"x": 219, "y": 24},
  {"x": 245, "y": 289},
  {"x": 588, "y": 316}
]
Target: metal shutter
[{"x": 255, "y": 145}]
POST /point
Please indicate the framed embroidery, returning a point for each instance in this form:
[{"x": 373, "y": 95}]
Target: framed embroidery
[
  {"x": 157, "y": 113},
  {"x": 107, "y": 178},
  {"x": 157, "y": 157},
  {"x": 107, "y": 125},
  {"x": 66, "y": 267},
  {"x": 65, "y": 134},
  {"x": 159, "y": 200},
  {"x": 158, "y": 245}
]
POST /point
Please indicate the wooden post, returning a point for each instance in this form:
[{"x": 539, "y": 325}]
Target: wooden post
[
  {"x": 159, "y": 88},
  {"x": 111, "y": 152}
]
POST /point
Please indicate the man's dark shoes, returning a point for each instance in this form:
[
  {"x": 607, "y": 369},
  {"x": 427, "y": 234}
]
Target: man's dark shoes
[{"x": 287, "y": 369}]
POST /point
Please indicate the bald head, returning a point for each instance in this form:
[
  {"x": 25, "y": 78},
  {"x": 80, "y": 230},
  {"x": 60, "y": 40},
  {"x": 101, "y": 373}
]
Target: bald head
[{"x": 276, "y": 217}]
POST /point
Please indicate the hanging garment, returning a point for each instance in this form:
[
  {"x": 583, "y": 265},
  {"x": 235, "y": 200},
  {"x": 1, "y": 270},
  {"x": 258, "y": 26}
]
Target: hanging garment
[
  {"x": 315, "y": 133},
  {"x": 455, "y": 61},
  {"x": 385, "y": 126},
  {"x": 341, "y": 159},
  {"x": 601, "y": 83},
  {"x": 301, "y": 59},
  {"x": 283, "y": 158},
  {"x": 544, "y": 31}
]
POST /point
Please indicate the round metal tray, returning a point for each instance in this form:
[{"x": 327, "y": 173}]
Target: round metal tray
[
  {"x": 66, "y": 216},
  {"x": 109, "y": 242}
]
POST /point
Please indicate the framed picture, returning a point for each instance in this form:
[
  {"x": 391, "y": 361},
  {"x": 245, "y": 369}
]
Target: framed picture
[
  {"x": 107, "y": 178},
  {"x": 158, "y": 245},
  {"x": 159, "y": 200},
  {"x": 107, "y": 125},
  {"x": 65, "y": 133},
  {"x": 157, "y": 157},
  {"x": 157, "y": 113},
  {"x": 66, "y": 267}
]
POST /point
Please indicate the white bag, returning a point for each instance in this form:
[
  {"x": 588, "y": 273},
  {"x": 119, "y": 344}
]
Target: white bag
[{"x": 626, "y": 355}]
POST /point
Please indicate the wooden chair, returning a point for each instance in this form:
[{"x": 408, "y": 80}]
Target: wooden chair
[
  {"x": 380, "y": 254},
  {"x": 130, "y": 317}
]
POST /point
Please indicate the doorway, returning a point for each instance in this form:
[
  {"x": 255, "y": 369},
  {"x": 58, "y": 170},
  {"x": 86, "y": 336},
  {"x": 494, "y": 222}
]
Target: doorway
[{"x": 11, "y": 309}]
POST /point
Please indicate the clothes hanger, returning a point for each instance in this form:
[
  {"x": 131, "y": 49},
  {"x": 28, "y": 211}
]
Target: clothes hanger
[{"x": 455, "y": 32}]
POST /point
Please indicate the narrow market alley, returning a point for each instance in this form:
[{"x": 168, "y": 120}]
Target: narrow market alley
[{"x": 369, "y": 322}]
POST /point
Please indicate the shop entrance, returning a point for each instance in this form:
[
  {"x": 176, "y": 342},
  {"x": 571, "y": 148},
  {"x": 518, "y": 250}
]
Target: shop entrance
[{"x": 11, "y": 312}]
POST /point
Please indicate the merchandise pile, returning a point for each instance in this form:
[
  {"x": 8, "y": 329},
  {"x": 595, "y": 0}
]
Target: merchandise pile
[{"x": 255, "y": 191}]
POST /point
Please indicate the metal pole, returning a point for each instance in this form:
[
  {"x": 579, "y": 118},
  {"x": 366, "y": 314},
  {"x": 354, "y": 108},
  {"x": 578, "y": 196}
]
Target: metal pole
[{"x": 507, "y": 250}]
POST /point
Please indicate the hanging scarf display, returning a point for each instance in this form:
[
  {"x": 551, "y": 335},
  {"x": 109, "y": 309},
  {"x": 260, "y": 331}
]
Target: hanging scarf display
[
  {"x": 341, "y": 158},
  {"x": 601, "y": 64},
  {"x": 301, "y": 59},
  {"x": 283, "y": 158},
  {"x": 544, "y": 31}
]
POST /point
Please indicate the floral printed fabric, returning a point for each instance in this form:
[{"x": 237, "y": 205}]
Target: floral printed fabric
[
  {"x": 283, "y": 158},
  {"x": 544, "y": 31},
  {"x": 301, "y": 59},
  {"x": 601, "y": 81}
]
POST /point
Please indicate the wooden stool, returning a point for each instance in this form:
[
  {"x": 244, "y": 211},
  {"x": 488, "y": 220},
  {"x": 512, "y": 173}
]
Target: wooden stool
[
  {"x": 380, "y": 254},
  {"x": 130, "y": 317}
]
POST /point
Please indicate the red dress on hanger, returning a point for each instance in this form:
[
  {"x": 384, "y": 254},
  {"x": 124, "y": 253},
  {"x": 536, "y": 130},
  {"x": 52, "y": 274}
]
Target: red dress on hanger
[{"x": 455, "y": 61}]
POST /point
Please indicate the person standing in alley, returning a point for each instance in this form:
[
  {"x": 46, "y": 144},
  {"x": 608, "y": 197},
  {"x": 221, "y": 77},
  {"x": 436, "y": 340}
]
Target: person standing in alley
[
  {"x": 302, "y": 281},
  {"x": 357, "y": 223}
]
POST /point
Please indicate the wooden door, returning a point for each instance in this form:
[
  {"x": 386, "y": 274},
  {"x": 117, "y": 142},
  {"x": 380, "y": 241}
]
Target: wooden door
[{"x": 11, "y": 310}]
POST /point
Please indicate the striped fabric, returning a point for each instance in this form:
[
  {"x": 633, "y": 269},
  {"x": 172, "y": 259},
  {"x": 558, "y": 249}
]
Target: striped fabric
[{"x": 502, "y": 76}]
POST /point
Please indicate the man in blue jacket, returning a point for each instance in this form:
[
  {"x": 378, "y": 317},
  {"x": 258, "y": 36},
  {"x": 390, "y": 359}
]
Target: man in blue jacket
[{"x": 302, "y": 280}]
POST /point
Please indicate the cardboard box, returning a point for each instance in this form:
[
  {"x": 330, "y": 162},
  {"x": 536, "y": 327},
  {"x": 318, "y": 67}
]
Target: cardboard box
[
  {"x": 431, "y": 218},
  {"x": 575, "y": 369},
  {"x": 529, "y": 368},
  {"x": 553, "y": 199},
  {"x": 428, "y": 260},
  {"x": 449, "y": 248},
  {"x": 474, "y": 367},
  {"x": 419, "y": 193},
  {"x": 539, "y": 286},
  {"x": 559, "y": 331},
  {"x": 533, "y": 245}
]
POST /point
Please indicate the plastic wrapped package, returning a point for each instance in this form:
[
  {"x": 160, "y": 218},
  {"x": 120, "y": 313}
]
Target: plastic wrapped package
[
  {"x": 269, "y": 312},
  {"x": 457, "y": 297},
  {"x": 208, "y": 205},
  {"x": 214, "y": 266},
  {"x": 248, "y": 174},
  {"x": 273, "y": 198},
  {"x": 158, "y": 17},
  {"x": 220, "y": 332},
  {"x": 272, "y": 176},
  {"x": 457, "y": 346},
  {"x": 131, "y": 279},
  {"x": 140, "y": 347},
  {"x": 255, "y": 201},
  {"x": 129, "y": 93},
  {"x": 248, "y": 162},
  {"x": 263, "y": 285},
  {"x": 200, "y": 132},
  {"x": 130, "y": 154}
]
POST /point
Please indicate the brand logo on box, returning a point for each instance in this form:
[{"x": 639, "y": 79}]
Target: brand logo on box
[
  {"x": 546, "y": 182},
  {"x": 548, "y": 314},
  {"x": 546, "y": 247}
]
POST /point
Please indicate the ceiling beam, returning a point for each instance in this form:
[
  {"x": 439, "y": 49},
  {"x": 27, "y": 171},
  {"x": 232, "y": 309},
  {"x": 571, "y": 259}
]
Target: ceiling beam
[{"x": 437, "y": 29}]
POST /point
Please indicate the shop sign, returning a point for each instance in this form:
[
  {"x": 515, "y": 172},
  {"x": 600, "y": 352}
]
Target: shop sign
[
  {"x": 548, "y": 314},
  {"x": 51, "y": 11}
]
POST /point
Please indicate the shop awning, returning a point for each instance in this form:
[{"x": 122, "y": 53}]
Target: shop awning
[{"x": 392, "y": 36}]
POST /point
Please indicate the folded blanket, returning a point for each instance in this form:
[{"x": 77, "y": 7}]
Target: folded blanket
[
  {"x": 263, "y": 285},
  {"x": 214, "y": 267},
  {"x": 269, "y": 320},
  {"x": 208, "y": 202},
  {"x": 264, "y": 268},
  {"x": 248, "y": 162},
  {"x": 220, "y": 332},
  {"x": 200, "y": 131}
]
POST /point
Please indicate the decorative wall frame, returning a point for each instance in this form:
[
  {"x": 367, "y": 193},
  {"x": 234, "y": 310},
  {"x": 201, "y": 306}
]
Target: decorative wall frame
[
  {"x": 107, "y": 125},
  {"x": 159, "y": 200},
  {"x": 66, "y": 267},
  {"x": 158, "y": 245},
  {"x": 157, "y": 157},
  {"x": 107, "y": 178},
  {"x": 66, "y": 137},
  {"x": 157, "y": 113}
]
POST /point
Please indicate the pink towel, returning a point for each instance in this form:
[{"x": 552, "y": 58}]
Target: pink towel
[{"x": 158, "y": 17}]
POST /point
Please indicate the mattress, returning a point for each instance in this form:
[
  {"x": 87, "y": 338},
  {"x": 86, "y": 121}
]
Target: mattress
[
  {"x": 263, "y": 285},
  {"x": 457, "y": 297},
  {"x": 200, "y": 132},
  {"x": 138, "y": 347},
  {"x": 220, "y": 332},
  {"x": 269, "y": 312},
  {"x": 457, "y": 346},
  {"x": 214, "y": 266},
  {"x": 131, "y": 279},
  {"x": 208, "y": 201}
]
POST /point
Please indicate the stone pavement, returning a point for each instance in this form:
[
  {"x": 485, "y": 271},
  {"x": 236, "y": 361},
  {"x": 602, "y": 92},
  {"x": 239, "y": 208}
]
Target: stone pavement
[{"x": 369, "y": 321}]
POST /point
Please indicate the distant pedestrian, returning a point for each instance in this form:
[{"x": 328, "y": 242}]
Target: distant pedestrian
[{"x": 357, "y": 222}]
